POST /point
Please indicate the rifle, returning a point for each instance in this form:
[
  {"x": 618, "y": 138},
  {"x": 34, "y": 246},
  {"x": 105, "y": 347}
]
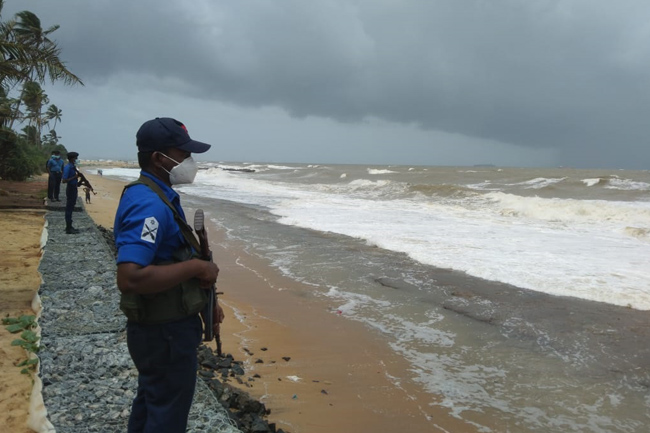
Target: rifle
[
  {"x": 84, "y": 181},
  {"x": 208, "y": 310}
]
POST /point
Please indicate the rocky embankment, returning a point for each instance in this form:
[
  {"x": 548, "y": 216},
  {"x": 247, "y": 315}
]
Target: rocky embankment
[{"x": 88, "y": 378}]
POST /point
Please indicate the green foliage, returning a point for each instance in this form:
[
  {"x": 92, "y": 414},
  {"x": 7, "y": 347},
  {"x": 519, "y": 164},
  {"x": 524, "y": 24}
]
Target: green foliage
[
  {"x": 29, "y": 346},
  {"x": 15, "y": 328},
  {"x": 28, "y": 339},
  {"x": 18, "y": 159},
  {"x": 53, "y": 113},
  {"x": 28, "y": 53},
  {"x": 50, "y": 143},
  {"x": 13, "y": 158},
  {"x": 29, "y": 364},
  {"x": 25, "y": 322},
  {"x": 21, "y": 157},
  {"x": 28, "y": 57}
]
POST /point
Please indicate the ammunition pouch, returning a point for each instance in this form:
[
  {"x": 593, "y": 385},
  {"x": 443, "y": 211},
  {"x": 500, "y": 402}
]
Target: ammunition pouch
[{"x": 183, "y": 300}]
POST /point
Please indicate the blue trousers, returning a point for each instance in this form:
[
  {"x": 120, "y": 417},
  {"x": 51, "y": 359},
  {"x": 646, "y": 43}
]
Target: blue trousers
[
  {"x": 165, "y": 356},
  {"x": 70, "y": 200},
  {"x": 53, "y": 185}
]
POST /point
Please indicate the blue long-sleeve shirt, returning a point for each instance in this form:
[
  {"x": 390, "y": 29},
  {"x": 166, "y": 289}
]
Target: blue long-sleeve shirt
[
  {"x": 145, "y": 229},
  {"x": 55, "y": 165},
  {"x": 70, "y": 171}
]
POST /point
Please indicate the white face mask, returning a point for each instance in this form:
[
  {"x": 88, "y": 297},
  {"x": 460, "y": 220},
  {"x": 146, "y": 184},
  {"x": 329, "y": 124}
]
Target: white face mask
[{"x": 184, "y": 172}]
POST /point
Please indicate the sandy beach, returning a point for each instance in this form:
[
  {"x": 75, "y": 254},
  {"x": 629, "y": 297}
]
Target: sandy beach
[
  {"x": 317, "y": 371},
  {"x": 21, "y": 223}
]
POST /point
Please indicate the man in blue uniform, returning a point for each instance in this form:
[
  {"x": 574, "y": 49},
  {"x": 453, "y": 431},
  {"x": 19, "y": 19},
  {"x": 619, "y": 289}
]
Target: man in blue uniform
[
  {"x": 55, "y": 170},
  {"x": 162, "y": 284},
  {"x": 70, "y": 178}
]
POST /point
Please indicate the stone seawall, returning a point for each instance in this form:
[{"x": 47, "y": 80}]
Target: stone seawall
[{"x": 88, "y": 378}]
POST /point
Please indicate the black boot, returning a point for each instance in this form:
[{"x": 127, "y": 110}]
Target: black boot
[{"x": 70, "y": 230}]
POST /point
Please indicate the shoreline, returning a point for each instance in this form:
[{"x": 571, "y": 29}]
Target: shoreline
[
  {"x": 327, "y": 384},
  {"x": 349, "y": 377},
  {"x": 320, "y": 371}
]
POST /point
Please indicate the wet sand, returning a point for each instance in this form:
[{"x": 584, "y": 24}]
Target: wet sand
[{"x": 338, "y": 376}]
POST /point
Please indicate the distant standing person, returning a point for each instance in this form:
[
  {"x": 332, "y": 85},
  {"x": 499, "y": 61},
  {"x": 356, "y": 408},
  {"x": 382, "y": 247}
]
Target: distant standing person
[
  {"x": 163, "y": 285},
  {"x": 87, "y": 191},
  {"x": 55, "y": 171},
  {"x": 71, "y": 179}
]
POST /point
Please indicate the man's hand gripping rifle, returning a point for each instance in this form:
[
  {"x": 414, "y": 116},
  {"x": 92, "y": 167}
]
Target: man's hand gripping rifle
[
  {"x": 83, "y": 181},
  {"x": 212, "y": 313}
]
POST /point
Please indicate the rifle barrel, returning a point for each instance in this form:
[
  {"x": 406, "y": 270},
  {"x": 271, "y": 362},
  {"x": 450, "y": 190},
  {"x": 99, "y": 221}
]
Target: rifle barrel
[{"x": 208, "y": 312}]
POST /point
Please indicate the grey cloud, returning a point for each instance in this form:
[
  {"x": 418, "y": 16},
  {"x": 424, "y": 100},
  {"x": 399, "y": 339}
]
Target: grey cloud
[{"x": 540, "y": 73}]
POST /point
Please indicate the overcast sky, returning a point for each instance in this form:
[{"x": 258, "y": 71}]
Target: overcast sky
[{"x": 436, "y": 82}]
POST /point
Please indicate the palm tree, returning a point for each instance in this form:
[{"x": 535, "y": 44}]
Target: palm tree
[
  {"x": 50, "y": 139},
  {"x": 28, "y": 30},
  {"x": 34, "y": 98},
  {"x": 30, "y": 135},
  {"x": 28, "y": 58},
  {"x": 44, "y": 52},
  {"x": 28, "y": 54},
  {"x": 14, "y": 55},
  {"x": 7, "y": 108},
  {"x": 53, "y": 113}
]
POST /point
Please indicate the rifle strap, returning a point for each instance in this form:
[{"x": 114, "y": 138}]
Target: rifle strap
[
  {"x": 186, "y": 230},
  {"x": 183, "y": 300}
]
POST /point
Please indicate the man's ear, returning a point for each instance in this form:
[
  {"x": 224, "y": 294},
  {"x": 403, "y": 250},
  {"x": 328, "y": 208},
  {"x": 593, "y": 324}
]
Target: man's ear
[
  {"x": 157, "y": 163},
  {"x": 157, "y": 159}
]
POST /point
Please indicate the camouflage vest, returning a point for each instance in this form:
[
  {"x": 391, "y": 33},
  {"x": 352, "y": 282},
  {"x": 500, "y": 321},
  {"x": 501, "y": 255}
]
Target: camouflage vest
[{"x": 183, "y": 300}]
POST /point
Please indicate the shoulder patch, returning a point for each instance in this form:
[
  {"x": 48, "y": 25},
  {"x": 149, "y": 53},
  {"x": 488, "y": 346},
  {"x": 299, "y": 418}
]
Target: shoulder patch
[{"x": 149, "y": 230}]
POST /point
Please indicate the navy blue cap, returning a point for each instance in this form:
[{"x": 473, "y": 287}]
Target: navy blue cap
[{"x": 164, "y": 132}]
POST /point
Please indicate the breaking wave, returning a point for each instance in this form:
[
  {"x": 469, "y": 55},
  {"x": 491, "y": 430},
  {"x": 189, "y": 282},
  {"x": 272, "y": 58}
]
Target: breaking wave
[
  {"x": 443, "y": 190},
  {"x": 569, "y": 210},
  {"x": 615, "y": 182},
  {"x": 379, "y": 171},
  {"x": 539, "y": 182},
  {"x": 638, "y": 232}
]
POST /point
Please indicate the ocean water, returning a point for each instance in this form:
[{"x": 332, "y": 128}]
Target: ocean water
[{"x": 398, "y": 247}]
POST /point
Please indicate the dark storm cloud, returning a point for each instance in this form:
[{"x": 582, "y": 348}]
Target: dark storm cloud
[{"x": 542, "y": 74}]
